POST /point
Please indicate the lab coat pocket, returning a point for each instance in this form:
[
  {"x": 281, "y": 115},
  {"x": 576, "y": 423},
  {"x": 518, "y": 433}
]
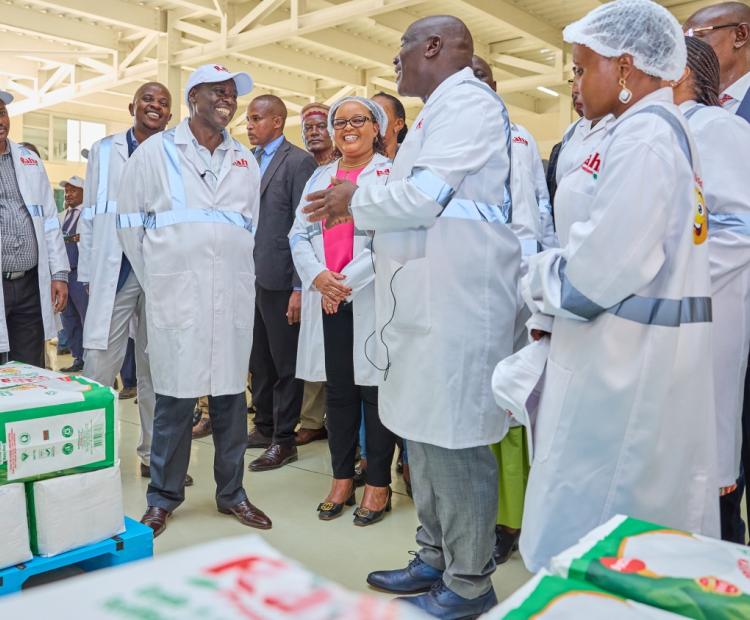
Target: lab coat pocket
[
  {"x": 411, "y": 289},
  {"x": 244, "y": 300},
  {"x": 173, "y": 299},
  {"x": 551, "y": 406}
]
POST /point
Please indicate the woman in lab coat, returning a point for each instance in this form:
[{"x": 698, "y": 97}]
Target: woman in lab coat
[
  {"x": 720, "y": 138},
  {"x": 626, "y": 417},
  {"x": 336, "y": 266}
]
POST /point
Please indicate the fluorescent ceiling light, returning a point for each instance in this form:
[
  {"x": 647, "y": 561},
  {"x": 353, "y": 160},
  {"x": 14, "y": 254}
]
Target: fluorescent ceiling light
[{"x": 548, "y": 91}]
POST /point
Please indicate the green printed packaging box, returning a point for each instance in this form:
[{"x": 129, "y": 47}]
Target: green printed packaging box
[
  {"x": 53, "y": 424},
  {"x": 687, "y": 574},
  {"x": 549, "y": 597}
]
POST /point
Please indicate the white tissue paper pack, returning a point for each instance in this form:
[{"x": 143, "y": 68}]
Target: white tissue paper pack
[
  {"x": 516, "y": 385},
  {"x": 73, "y": 511},
  {"x": 14, "y": 540}
]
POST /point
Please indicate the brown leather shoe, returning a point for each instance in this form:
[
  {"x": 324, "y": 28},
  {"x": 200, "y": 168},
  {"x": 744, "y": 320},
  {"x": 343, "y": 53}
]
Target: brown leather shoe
[
  {"x": 127, "y": 392},
  {"x": 308, "y": 435},
  {"x": 146, "y": 473},
  {"x": 256, "y": 439},
  {"x": 203, "y": 428},
  {"x": 249, "y": 515},
  {"x": 156, "y": 519},
  {"x": 275, "y": 456}
]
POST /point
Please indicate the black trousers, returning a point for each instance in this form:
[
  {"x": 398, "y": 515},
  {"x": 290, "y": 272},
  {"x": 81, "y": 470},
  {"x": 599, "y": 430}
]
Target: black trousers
[
  {"x": 344, "y": 403},
  {"x": 277, "y": 393},
  {"x": 23, "y": 318},
  {"x": 170, "y": 450}
]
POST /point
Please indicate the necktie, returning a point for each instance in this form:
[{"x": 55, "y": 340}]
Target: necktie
[
  {"x": 259, "y": 152},
  {"x": 67, "y": 222}
]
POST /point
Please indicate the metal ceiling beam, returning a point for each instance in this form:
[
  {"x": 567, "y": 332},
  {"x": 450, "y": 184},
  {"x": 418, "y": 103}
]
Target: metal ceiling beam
[
  {"x": 262, "y": 10},
  {"x": 55, "y": 28},
  {"x": 298, "y": 62},
  {"x": 521, "y": 63},
  {"x": 116, "y": 12}
]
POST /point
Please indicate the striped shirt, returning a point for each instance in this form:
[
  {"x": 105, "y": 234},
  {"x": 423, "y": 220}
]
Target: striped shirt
[{"x": 19, "y": 249}]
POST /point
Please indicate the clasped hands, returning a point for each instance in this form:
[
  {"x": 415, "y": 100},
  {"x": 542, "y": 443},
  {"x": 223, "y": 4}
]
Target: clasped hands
[
  {"x": 333, "y": 291},
  {"x": 330, "y": 205}
]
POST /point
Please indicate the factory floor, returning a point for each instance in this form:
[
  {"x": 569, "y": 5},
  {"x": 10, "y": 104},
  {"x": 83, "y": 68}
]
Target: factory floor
[{"x": 336, "y": 550}]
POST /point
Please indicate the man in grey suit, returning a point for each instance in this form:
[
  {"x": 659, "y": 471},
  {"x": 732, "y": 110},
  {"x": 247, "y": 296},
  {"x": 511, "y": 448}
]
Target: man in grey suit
[{"x": 277, "y": 394}]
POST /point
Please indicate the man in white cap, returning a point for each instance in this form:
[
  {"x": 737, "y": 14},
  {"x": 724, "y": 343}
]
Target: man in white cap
[
  {"x": 74, "y": 315},
  {"x": 186, "y": 211},
  {"x": 34, "y": 265},
  {"x": 116, "y": 296}
]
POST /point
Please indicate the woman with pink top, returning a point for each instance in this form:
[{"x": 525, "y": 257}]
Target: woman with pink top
[{"x": 336, "y": 265}]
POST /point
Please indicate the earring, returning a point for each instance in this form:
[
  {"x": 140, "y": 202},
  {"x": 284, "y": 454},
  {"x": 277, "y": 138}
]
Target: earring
[{"x": 625, "y": 94}]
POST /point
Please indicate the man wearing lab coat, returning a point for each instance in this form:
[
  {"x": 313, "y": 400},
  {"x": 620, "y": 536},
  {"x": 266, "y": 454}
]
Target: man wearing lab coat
[
  {"x": 34, "y": 264},
  {"x": 185, "y": 221},
  {"x": 726, "y": 27},
  {"x": 446, "y": 276},
  {"x": 115, "y": 293}
]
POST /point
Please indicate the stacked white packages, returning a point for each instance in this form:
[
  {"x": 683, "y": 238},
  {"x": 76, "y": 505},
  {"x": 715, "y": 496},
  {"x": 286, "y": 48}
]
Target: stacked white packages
[
  {"x": 14, "y": 541},
  {"x": 73, "y": 511}
]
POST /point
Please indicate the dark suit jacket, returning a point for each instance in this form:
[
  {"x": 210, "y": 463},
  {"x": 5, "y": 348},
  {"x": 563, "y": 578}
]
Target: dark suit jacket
[{"x": 280, "y": 192}]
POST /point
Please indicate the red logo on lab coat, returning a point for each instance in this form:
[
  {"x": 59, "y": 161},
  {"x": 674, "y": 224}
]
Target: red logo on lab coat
[
  {"x": 29, "y": 161},
  {"x": 383, "y": 172},
  {"x": 520, "y": 140},
  {"x": 240, "y": 163},
  {"x": 592, "y": 164},
  {"x": 420, "y": 123}
]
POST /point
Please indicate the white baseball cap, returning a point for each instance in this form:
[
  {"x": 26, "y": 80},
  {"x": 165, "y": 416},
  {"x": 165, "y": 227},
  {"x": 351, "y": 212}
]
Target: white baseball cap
[
  {"x": 6, "y": 97},
  {"x": 210, "y": 74},
  {"x": 74, "y": 181}
]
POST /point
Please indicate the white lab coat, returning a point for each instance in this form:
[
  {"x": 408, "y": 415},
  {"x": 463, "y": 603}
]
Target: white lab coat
[
  {"x": 722, "y": 141},
  {"x": 446, "y": 269},
  {"x": 626, "y": 419},
  {"x": 309, "y": 260},
  {"x": 99, "y": 249},
  {"x": 580, "y": 140},
  {"x": 532, "y": 213},
  {"x": 52, "y": 258},
  {"x": 194, "y": 259}
]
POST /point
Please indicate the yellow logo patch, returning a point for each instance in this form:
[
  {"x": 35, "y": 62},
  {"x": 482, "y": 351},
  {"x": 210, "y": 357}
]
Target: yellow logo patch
[{"x": 700, "y": 223}]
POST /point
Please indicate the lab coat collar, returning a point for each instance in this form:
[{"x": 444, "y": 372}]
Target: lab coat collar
[
  {"x": 183, "y": 135},
  {"x": 120, "y": 142},
  {"x": 687, "y": 105},
  {"x": 459, "y": 76},
  {"x": 663, "y": 95},
  {"x": 377, "y": 161}
]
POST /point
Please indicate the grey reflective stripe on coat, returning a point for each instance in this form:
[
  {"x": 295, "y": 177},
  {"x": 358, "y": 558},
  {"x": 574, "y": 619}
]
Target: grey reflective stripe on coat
[
  {"x": 431, "y": 185},
  {"x": 682, "y": 138},
  {"x": 508, "y": 198},
  {"x": 736, "y": 222},
  {"x": 691, "y": 112},
  {"x": 101, "y": 204},
  {"x": 646, "y": 310}
]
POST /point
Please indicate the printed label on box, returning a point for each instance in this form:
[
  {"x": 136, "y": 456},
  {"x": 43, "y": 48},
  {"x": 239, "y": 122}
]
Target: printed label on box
[{"x": 52, "y": 443}]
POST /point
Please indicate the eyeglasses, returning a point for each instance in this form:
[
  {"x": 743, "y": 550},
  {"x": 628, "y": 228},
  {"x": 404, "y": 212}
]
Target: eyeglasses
[
  {"x": 704, "y": 30},
  {"x": 355, "y": 121}
]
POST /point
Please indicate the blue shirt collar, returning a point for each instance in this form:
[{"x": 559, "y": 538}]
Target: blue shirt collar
[{"x": 273, "y": 146}]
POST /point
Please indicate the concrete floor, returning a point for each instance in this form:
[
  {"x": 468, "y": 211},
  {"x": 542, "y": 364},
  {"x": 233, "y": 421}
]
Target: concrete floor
[{"x": 336, "y": 550}]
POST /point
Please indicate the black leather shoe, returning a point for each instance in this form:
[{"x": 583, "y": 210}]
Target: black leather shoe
[
  {"x": 505, "y": 544},
  {"x": 76, "y": 366},
  {"x": 275, "y": 456},
  {"x": 365, "y": 516},
  {"x": 146, "y": 473},
  {"x": 327, "y": 511},
  {"x": 256, "y": 439}
]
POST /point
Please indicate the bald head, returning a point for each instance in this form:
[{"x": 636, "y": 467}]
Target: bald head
[
  {"x": 726, "y": 28},
  {"x": 151, "y": 109},
  {"x": 152, "y": 86},
  {"x": 483, "y": 71},
  {"x": 432, "y": 49},
  {"x": 266, "y": 117}
]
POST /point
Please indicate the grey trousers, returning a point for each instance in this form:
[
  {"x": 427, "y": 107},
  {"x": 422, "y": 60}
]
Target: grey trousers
[
  {"x": 103, "y": 366},
  {"x": 313, "y": 406},
  {"x": 170, "y": 451},
  {"x": 455, "y": 493}
]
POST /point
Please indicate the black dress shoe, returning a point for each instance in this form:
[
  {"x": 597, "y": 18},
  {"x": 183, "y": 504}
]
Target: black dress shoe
[
  {"x": 77, "y": 366},
  {"x": 364, "y": 516},
  {"x": 275, "y": 456},
  {"x": 505, "y": 544},
  {"x": 256, "y": 439},
  {"x": 146, "y": 473},
  {"x": 328, "y": 511}
]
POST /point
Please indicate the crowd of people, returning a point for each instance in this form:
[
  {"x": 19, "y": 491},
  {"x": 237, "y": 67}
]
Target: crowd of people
[{"x": 368, "y": 287}]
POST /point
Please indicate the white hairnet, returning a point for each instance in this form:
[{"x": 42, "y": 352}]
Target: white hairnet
[
  {"x": 378, "y": 112},
  {"x": 645, "y": 30}
]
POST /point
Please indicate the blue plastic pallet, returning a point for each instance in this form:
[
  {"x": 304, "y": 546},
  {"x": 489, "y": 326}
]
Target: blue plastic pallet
[{"x": 135, "y": 543}]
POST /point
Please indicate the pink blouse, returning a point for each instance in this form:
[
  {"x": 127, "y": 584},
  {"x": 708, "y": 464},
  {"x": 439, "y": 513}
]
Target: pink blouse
[{"x": 338, "y": 242}]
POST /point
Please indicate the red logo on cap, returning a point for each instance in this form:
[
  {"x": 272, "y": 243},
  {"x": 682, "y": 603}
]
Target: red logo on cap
[{"x": 220, "y": 68}]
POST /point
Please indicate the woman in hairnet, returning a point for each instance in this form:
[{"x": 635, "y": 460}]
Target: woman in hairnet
[
  {"x": 626, "y": 420},
  {"x": 719, "y": 137},
  {"x": 336, "y": 266}
]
